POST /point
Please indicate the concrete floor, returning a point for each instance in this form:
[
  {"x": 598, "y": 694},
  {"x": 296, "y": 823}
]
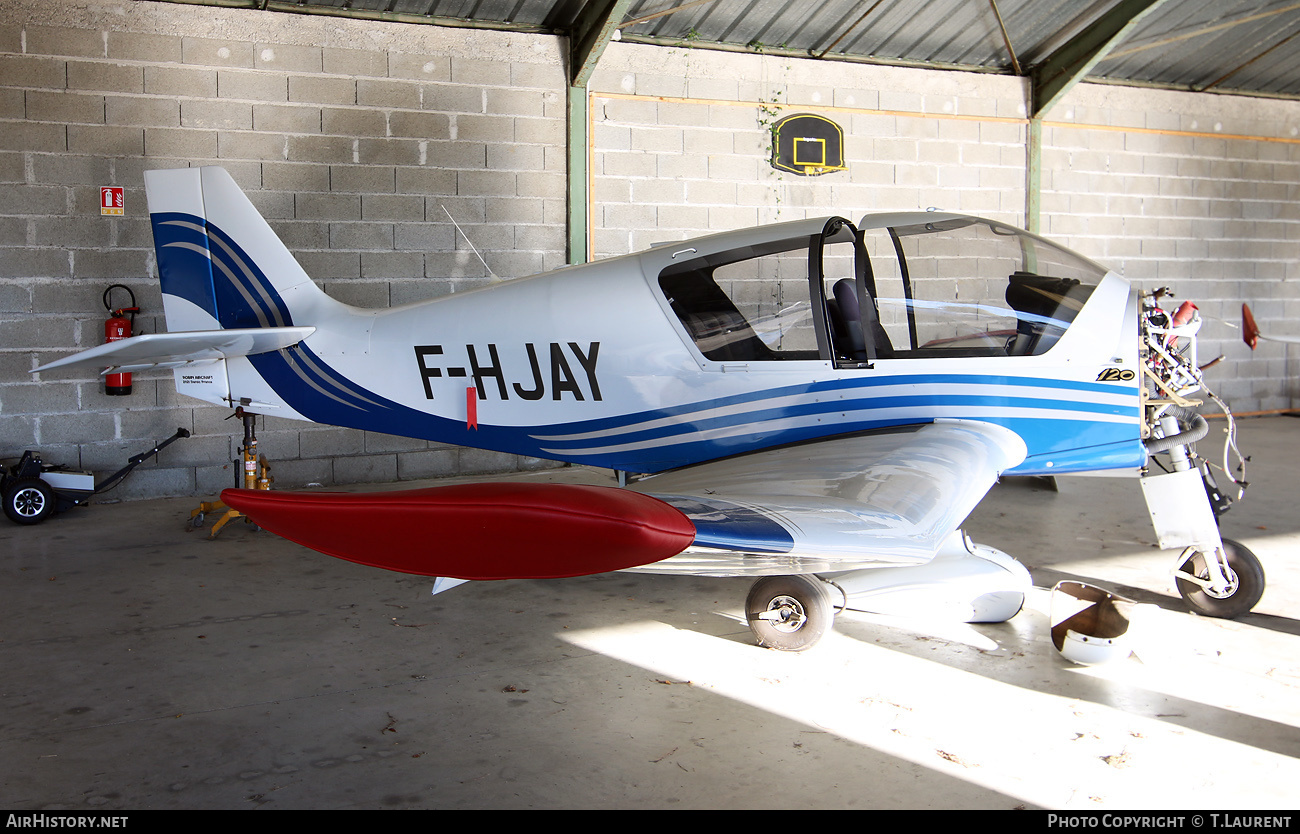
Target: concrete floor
[{"x": 147, "y": 667}]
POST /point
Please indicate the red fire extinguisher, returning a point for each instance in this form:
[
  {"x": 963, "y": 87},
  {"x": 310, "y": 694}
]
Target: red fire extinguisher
[{"x": 118, "y": 326}]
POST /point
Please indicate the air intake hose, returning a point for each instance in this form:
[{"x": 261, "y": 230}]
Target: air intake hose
[{"x": 1196, "y": 429}]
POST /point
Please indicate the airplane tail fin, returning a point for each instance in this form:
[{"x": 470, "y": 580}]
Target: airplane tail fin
[{"x": 220, "y": 264}]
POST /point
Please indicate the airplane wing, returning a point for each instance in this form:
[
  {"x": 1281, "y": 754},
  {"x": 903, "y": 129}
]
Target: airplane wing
[
  {"x": 172, "y": 350},
  {"x": 884, "y": 498}
]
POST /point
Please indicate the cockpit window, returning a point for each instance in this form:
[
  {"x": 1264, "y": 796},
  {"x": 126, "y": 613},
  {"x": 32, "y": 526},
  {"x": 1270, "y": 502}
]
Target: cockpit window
[
  {"x": 956, "y": 287},
  {"x": 969, "y": 287},
  {"x": 748, "y": 304}
]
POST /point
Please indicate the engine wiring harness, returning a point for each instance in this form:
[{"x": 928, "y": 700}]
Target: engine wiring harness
[{"x": 1173, "y": 374}]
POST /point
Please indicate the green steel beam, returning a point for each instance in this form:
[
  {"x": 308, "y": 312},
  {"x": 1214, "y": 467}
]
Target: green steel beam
[
  {"x": 1052, "y": 78},
  {"x": 1034, "y": 180},
  {"x": 595, "y": 27},
  {"x": 577, "y": 105},
  {"x": 592, "y": 32}
]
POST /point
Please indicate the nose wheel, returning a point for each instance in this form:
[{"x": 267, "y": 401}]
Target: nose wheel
[
  {"x": 1245, "y": 577},
  {"x": 789, "y": 613}
]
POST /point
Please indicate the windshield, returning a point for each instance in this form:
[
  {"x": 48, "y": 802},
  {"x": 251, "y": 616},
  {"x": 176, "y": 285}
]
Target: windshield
[
  {"x": 974, "y": 287},
  {"x": 955, "y": 287}
]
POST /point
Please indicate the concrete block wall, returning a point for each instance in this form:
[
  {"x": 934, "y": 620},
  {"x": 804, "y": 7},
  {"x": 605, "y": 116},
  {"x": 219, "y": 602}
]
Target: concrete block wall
[
  {"x": 1200, "y": 193},
  {"x": 682, "y": 142},
  {"x": 1192, "y": 191},
  {"x": 355, "y": 140}
]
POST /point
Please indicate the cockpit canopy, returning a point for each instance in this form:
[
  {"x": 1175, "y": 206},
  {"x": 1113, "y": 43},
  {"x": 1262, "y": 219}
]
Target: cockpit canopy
[{"x": 947, "y": 286}]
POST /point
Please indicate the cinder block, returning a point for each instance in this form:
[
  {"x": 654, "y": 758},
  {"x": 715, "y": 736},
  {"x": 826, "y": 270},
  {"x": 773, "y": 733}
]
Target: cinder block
[
  {"x": 322, "y": 90},
  {"x": 174, "y": 81},
  {"x": 324, "y": 150},
  {"x": 453, "y": 98},
  {"x": 455, "y": 154},
  {"x": 364, "y": 179},
  {"x": 48, "y": 106},
  {"x": 432, "y": 463},
  {"x": 485, "y": 128},
  {"x": 372, "y": 92},
  {"x": 512, "y": 102},
  {"x": 353, "y": 121},
  {"x": 417, "y": 67},
  {"x": 419, "y": 125},
  {"x": 293, "y": 176},
  {"x": 259, "y": 86},
  {"x": 38, "y": 398},
  {"x": 224, "y": 115},
  {"x": 485, "y": 183},
  {"x": 434, "y": 236},
  {"x": 217, "y": 53},
  {"x": 388, "y": 151},
  {"x": 210, "y": 480},
  {"x": 273, "y": 205},
  {"x": 549, "y": 75},
  {"x": 324, "y": 266},
  {"x": 364, "y": 469},
  {"x": 105, "y": 76},
  {"x": 140, "y": 111},
  {"x": 330, "y": 442},
  {"x": 61, "y": 40},
  {"x": 286, "y": 118},
  {"x": 66, "y": 169},
  {"x": 399, "y": 207},
  {"x": 327, "y": 206},
  {"x": 137, "y": 46},
  {"x": 250, "y": 145},
  {"x": 27, "y": 136},
  {"x": 112, "y": 263},
  {"x": 303, "y": 236},
  {"x": 180, "y": 143},
  {"x": 480, "y": 72},
  {"x": 13, "y": 104},
  {"x": 33, "y": 71},
  {"x": 286, "y": 58},
  {"x": 513, "y": 157},
  {"x": 19, "y": 436},
  {"x": 375, "y": 236},
  {"x": 70, "y": 232},
  {"x": 515, "y": 210},
  {"x": 354, "y": 62}
]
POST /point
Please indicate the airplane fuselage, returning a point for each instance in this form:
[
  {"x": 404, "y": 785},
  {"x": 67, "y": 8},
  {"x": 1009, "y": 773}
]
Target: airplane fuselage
[{"x": 590, "y": 364}]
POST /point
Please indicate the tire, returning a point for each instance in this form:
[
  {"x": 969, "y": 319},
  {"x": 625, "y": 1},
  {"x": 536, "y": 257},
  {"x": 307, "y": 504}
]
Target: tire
[
  {"x": 789, "y": 613},
  {"x": 1244, "y": 571},
  {"x": 28, "y": 501}
]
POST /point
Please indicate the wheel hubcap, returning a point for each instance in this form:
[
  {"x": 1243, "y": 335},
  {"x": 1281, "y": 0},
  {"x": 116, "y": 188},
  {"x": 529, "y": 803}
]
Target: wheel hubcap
[
  {"x": 1198, "y": 570},
  {"x": 29, "y": 502},
  {"x": 785, "y": 614}
]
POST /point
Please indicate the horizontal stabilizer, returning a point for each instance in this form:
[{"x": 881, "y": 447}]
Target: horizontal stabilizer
[
  {"x": 172, "y": 350},
  {"x": 477, "y": 531}
]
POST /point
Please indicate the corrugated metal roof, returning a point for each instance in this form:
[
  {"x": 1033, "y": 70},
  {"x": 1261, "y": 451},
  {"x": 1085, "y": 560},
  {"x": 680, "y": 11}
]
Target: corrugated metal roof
[{"x": 1248, "y": 46}]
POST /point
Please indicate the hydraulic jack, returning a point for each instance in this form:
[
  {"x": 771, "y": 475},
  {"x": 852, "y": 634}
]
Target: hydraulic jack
[{"x": 257, "y": 475}]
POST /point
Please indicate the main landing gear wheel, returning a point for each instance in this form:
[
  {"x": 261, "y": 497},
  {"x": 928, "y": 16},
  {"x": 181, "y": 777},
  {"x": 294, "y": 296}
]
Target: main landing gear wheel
[
  {"x": 28, "y": 501},
  {"x": 1245, "y": 583},
  {"x": 789, "y": 613}
]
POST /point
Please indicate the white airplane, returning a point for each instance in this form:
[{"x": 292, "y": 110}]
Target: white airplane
[{"x": 816, "y": 403}]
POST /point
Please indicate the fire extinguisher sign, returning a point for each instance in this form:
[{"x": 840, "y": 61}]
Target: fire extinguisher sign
[{"x": 111, "y": 199}]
